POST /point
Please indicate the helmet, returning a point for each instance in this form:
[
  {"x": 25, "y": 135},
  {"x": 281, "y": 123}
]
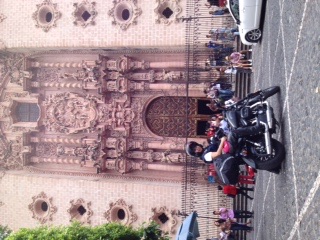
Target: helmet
[{"x": 191, "y": 147}]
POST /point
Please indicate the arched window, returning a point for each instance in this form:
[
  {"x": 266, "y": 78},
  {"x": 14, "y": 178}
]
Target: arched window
[
  {"x": 27, "y": 112},
  {"x": 177, "y": 117}
]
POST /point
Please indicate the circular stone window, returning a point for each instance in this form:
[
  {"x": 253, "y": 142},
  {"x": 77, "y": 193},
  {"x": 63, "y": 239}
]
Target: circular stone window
[
  {"x": 118, "y": 214},
  {"x": 123, "y": 12},
  {"x": 78, "y": 211},
  {"x": 41, "y": 207},
  {"x": 45, "y": 15}
]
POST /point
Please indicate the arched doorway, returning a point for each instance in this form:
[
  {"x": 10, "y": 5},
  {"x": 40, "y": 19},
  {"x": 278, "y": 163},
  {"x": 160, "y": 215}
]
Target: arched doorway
[{"x": 178, "y": 116}]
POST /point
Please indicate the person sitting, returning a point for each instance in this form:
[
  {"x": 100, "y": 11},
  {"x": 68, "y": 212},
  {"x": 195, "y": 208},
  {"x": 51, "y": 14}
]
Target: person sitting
[{"x": 209, "y": 153}]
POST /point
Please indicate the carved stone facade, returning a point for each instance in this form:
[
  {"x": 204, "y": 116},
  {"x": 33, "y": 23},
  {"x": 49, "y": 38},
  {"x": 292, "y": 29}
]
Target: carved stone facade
[
  {"x": 107, "y": 114},
  {"x": 78, "y": 111}
]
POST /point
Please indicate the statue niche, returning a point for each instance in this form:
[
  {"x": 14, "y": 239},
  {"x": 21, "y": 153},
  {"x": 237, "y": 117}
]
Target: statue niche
[{"x": 70, "y": 113}]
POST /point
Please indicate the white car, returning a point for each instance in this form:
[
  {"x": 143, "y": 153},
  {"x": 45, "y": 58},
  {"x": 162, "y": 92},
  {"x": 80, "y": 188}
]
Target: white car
[{"x": 247, "y": 15}]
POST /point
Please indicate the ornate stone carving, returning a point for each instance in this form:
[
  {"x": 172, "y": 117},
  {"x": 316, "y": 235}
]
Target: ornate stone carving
[
  {"x": 4, "y": 111},
  {"x": 125, "y": 64},
  {"x": 120, "y": 212},
  {"x": 46, "y": 15},
  {"x": 11, "y": 154},
  {"x": 167, "y": 11},
  {"x": 84, "y": 13},
  {"x": 87, "y": 74},
  {"x": 48, "y": 75},
  {"x": 46, "y": 149},
  {"x": 17, "y": 76},
  {"x": 117, "y": 115},
  {"x": 42, "y": 208},
  {"x": 171, "y": 157},
  {"x": 70, "y": 113},
  {"x": 165, "y": 218},
  {"x": 80, "y": 210},
  {"x": 9, "y": 95},
  {"x": 125, "y": 13}
]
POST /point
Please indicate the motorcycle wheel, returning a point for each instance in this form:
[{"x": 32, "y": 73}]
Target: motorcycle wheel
[
  {"x": 266, "y": 161},
  {"x": 268, "y": 92}
]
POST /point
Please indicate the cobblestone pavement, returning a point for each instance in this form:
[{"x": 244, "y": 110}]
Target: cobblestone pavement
[{"x": 287, "y": 206}]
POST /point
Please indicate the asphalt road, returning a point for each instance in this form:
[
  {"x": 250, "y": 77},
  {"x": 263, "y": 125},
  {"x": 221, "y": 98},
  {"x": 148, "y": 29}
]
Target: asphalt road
[{"x": 287, "y": 206}]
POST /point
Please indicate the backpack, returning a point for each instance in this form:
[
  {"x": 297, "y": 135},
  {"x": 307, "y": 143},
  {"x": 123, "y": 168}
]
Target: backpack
[{"x": 227, "y": 168}]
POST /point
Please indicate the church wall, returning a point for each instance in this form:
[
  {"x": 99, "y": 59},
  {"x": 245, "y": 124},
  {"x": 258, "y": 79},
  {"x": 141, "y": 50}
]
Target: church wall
[
  {"x": 18, "y": 31},
  {"x": 17, "y": 190}
]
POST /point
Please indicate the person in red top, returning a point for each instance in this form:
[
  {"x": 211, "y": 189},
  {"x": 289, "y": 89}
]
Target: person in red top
[{"x": 233, "y": 191}]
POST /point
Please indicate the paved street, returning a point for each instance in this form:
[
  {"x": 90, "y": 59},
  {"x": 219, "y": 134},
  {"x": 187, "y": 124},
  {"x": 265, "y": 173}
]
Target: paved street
[{"x": 287, "y": 206}]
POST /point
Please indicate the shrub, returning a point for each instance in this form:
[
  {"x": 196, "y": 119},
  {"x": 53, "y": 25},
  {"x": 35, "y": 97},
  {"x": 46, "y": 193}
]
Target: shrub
[
  {"x": 76, "y": 231},
  {"x": 4, "y": 232}
]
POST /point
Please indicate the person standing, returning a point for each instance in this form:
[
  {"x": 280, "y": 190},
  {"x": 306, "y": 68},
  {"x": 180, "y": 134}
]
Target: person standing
[{"x": 226, "y": 213}]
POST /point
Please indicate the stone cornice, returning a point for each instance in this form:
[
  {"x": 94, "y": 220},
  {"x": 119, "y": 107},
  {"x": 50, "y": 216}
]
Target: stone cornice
[{"x": 94, "y": 175}]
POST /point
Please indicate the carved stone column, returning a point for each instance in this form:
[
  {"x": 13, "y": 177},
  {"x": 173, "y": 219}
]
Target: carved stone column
[
  {"x": 82, "y": 64},
  {"x": 54, "y": 160},
  {"x": 160, "y": 145},
  {"x": 166, "y": 65},
  {"x": 57, "y": 140}
]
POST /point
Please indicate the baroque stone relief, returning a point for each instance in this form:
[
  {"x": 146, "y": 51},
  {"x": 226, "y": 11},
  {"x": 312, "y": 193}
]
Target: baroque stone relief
[
  {"x": 46, "y": 15},
  {"x": 42, "y": 208},
  {"x": 120, "y": 212},
  {"x": 165, "y": 218},
  {"x": 11, "y": 154},
  {"x": 167, "y": 11},
  {"x": 84, "y": 13},
  {"x": 70, "y": 113},
  {"x": 125, "y": 13}
]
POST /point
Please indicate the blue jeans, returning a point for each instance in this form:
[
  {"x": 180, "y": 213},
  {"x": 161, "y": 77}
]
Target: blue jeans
[{"x": 225, "y": 94}]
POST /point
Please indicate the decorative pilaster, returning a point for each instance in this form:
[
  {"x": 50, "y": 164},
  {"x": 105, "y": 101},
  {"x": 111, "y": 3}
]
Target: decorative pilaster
[{"x": 54, "y": 160}]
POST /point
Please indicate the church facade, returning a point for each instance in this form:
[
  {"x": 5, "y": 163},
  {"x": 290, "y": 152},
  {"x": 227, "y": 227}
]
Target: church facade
[{"x": 93, "y": 112}]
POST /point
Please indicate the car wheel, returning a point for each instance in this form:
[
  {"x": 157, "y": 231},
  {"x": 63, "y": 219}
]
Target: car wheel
[{"x": 253, "y": 35}]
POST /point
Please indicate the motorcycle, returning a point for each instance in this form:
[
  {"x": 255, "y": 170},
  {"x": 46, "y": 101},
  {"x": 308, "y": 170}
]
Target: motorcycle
[{"x": 259, "y": 151}]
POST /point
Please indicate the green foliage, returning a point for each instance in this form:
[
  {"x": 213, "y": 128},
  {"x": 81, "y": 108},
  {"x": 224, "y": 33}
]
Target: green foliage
[
  {"x": 4, "y": 232},
  {"x": 76, "y": 231},
  {"x": 153, "y": 232}
]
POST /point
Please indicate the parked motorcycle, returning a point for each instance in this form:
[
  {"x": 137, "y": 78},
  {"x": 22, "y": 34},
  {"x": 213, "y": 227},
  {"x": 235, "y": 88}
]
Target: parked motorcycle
[{"x": 259, "y": 151}]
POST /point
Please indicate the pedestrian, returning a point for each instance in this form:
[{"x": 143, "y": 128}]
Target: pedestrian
[
  {"x": 223, "y": 34},
  {"x": 237, "y": 57},
  {"x": 213, "y": 45},
  {"x": 235, "y": 70},
  {"x": 219, "y": 12},
  {"x": 223, "y": 94},
  {"x": 234, "y": 226},
  {"x": 226, "y": 234},
  {"x": 225, "y": 213},
  {"x": 233, "y": 191}
]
